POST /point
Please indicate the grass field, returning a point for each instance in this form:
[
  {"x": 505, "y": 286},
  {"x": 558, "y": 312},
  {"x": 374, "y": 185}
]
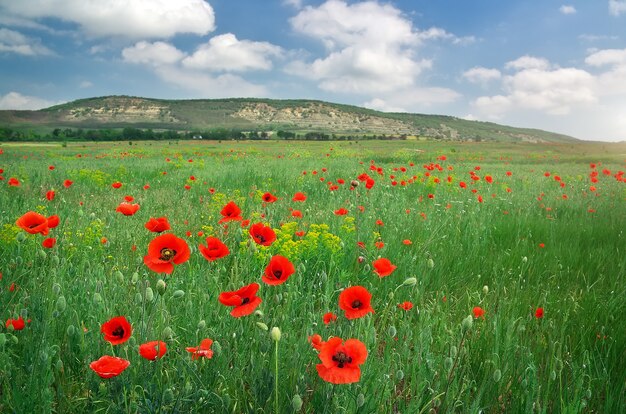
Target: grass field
[{"x": 517, "y": 254}]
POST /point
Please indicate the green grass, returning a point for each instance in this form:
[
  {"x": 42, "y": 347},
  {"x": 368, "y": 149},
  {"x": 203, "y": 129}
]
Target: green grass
[{"x": 463, "y": 254}]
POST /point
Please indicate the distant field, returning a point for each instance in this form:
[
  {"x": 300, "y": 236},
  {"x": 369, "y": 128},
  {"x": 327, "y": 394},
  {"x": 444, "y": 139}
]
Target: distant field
[{"x": 504, "y": 289}]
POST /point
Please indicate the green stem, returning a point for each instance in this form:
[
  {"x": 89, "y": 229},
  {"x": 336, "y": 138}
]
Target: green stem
[{"x": 276, "y": 378}]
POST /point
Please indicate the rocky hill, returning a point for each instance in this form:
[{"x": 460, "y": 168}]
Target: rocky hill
[{"x": 298, "y": 116}]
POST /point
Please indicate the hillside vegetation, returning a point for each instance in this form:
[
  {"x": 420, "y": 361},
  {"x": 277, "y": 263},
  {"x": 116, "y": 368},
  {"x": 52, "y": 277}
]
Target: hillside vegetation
[{"x": 298, "y": 117}]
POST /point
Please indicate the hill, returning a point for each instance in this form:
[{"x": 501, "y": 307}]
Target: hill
[{"x": 298, "y": 116}]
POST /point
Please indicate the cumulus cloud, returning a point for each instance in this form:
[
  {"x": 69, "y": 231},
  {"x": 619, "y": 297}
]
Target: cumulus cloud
[
  {"x": 481, "y": 75},
  {"x": 617, "y": 7},
  {"x": 607, "y": 57},
  {"x": 528, "y": 62},
  {"x": 15, "y": 100},
  {"x": 15, "y": 42},
  {"x": 371, "y": 50},
  {"x": 227, "y": 53},
  {"x": 124, "y": 18},
  {"x": 410, "y": 99},
  {"x": 294, "y": 3},
  {"x": 157, "y": 53},
  {"x": 567, "y": 9}
]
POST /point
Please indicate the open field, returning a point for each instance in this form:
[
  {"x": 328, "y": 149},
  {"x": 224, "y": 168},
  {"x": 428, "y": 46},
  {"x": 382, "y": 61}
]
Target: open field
[{"x": 517, "y": 253}]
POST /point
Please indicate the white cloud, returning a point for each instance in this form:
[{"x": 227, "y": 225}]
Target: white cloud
[
  {"x": 294, "y": 3},
  {"x": 528, "y": 62},
  {"x": 414, "y": 99},
  {"x": 15, "y": 42},
  {"x": 15, "y": 100},
  {"x": 227, "y": 53},
  {"x": 157, "y": 53},
  {"x": 567, "y": 9},
  {"x": 481, "y": 75},
  {"x": 607, "y": 57},
  {"x": 611, "y": 82},
  {"x": 617, "y": 7},
  {"x": 85, "y": 84},
  {"x": 125, "y": 18},
  {"x": 371, "y": 50}
]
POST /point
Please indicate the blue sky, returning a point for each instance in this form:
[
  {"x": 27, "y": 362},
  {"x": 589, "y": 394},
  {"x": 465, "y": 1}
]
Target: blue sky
[{"x": 555, "y": 65}]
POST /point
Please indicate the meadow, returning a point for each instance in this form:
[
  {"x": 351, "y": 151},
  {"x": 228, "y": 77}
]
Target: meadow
[{"x": 503, "y": 289}]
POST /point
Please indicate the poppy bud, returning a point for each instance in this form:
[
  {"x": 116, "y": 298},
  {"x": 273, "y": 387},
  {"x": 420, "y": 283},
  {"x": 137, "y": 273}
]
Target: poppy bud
[
  {"x": 42, "y": 255},
  {"x": 430, "y": 262},
  {"x": 20, "y": 237},
  {"x": 61, "y": 304},
  {"x": 467, "y": 323},
  {"x": 400, "y": 375},
  {"x": 138, "y": 298},
  {"x": 262, "y": 326},
  {"x": 55, "y": 260},
  {"x": 412, "y": 281},
  {"x": 296, "y": 403},
  {"x": 447, "y": 363},
  {"x": 553, "y": 375},
  {"x": 161, "y": 286},
  {"x": 485, "y": 289},
  {"x": 178, "y": 294},
  {"x": 15, "y": 340},
  {"x": 134, "y": 278},
  {"x": 201, "y": 325},
  {"x": 392, "y": 331},
  {"x": 275, "y": 334},
  {"x": 524, "y": 259},
  {"x": 354, "y": 183},
  {"x": 217, "y": 348},
  {"x": 56, "y": 288},
  {"x": 497, "y": 375},
  {"x": 360, "y": 400},
  {"x": 258, "y": 313},
  {"x": 119, "y": 276},
  {"x": 97, "y": 298},
  {"x": 168, "y": 333},
  {"x": 453, "y": 351},
  {"x": 149, "y": 294},
  {"x": 3, "y": 339},
  {"x": 168, "y": 396},
  {"x": 70, "y": 331}
]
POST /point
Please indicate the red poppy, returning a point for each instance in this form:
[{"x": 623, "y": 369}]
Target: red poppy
[
  {"x": 269, "y": 198},
  {"x": 316, "y": 341},
  {"x": 214, "y": 249},
  {"x": 299, "y": 233},
  {"x": 34, "y": 223},
  {"x": 153, "y": 350},
  {"x": 157, "y": 225},
  {"x": 278, "y": 270},
  {"x": 109, "y": 366},
  {"x": 204, "y": 350},
  {"x": 329, "y": 317},
  {"x": 244, "y": 300},
  {"x": 296, "y": 214},
  {"x": 383, "y": 267},
  {"x": 50, "y": 195},
  {"x": 116, "y": 330},
  {"x": 14, "y": 182},
  {"x": 341, "y": 212},
  {"x": 379, "y": 245},
  {"x": 49, "y": 242},
  {"x": 340, "y": 362},
  {"x": 407, "y": 242},
  {"x": 369, "y": 183},
  {"x": 129, "y": 198},
  {"x": 116, "y": 184},
  {"x": 539, "y": 313},
  {"x": 230, "y": 212},
  {"x": 299, "y": 197},
  {"x": 127, "y": 209},
  {"x": 406, "y": 305},
  {"x": 164, "y": 250},
  {"x": 262, "y": 234},
  {"x": 146, "y": 187},
  {"x": 68, "y": 183},
  {"x": 478, "y": 312},
  {"x": 355, "y": 301},
  {"x": 18, "y": 324}
]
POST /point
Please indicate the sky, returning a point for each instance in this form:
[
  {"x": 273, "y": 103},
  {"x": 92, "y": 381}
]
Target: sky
[{"x": 547, "y": 64}]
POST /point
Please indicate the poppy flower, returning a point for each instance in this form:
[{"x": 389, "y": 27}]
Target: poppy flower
[
  {"x": 204, "y": 350},
  {"x": 68, "y": 183},
  {"x": 278, "y": 270},
  {"x": 34, "y": 223},
  {"x": 157, "y": 225},
  {"x": 109, "y": 366},
  {"x": 316, "y": 341},
  {"x": 406, "y": 305},
  {"x": 296, "y": 214},
  {"x": 383, "y": 267},
  {"x": 407, "y": 242},
  {"x": 244, "y": 300},
  {"x": 153, "y": 350},
  {"x": 116, "y": 330},
  {"x": 269, "y": 198},
  {"x": 478, "y": 312},
  {"x": 127, "y": 209},
  {"x": 116, "y": 184},
  {"x": 230, "y": 212},
  {"x": 340, "y": 361},
  {"x": 299, "y": 197},
  {"x": 49, "y": 242},
  {"x": 14, "y": 182},
  {"x": 262, "y": 234},
  {"x": 369, "y": 183},
  {"x": 129, "y": 198},
  {"x": 50, "y": 195},
  {"x": 18, "y": 324},
  {"x": 539, "y": 313},
  {"x": 214, "y": 249},
  {"x": 164, "y": 250},
  {"x": 341, "y": 212},
  {"x": 329, "y": 317},
  {"x": 355, "y": 301}
]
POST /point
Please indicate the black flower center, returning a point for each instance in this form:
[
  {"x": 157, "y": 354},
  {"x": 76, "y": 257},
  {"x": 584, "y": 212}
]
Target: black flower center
[
  {"x": 245, "y": 300},
  {"x": 341, "y": 358},
  {"x": 119, "y": 332},
  {"x": 277, "y": 273},
  {"x": 356, "y": 304},
  {"x": 261, "y": 238},
  {"x": 167, "y": 254}
]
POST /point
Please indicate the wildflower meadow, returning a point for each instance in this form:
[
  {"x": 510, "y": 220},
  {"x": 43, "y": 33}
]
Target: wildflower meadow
[{"x": 326, "y": 277}]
